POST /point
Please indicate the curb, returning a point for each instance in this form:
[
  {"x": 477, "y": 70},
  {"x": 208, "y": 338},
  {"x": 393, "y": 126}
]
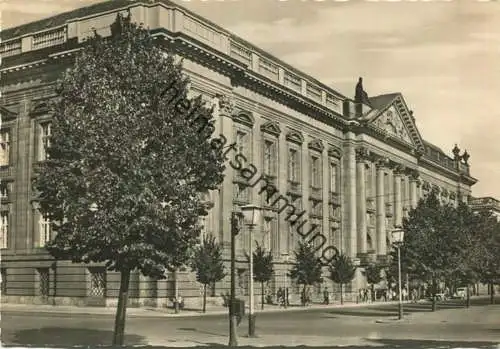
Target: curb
[{"x": 152, "y": 312}]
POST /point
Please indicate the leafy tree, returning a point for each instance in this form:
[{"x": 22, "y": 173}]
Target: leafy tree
[
  {"x": 307, "y": 268},
  {"x": 488, "y": 251},
  {"x": 126, "y": 165},
  {"x": 373, "y": 274},
  {"x": 427, "y": 250},
  {"x": 262, "y": 267},
  {"x": 208, "y": 264},
  {"x": 342, "y": 271}
]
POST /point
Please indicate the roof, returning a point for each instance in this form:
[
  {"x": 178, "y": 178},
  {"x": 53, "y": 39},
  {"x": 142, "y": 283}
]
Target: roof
[
  {"x": 62, "y": 18},
  {"x": 382, "y": 101}
]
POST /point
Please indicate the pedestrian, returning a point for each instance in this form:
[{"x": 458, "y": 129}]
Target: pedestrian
[
  {"x": 326, "y": 296},
  {"x": 403, "y": 294},
  {"x": 279, "y": 296}
]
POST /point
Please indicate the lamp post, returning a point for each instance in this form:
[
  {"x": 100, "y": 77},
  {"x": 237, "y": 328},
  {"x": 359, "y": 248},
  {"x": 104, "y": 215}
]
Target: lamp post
[
  {"x": 397, "y": 238},
  {"x": 285, "y": 257},
  {"x": 251, "y": 216},
  {"x": 235, "y": 229}
]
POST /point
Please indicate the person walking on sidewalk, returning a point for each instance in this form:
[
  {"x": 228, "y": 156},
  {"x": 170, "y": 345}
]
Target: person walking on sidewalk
[{"x": 326, "y": 296}]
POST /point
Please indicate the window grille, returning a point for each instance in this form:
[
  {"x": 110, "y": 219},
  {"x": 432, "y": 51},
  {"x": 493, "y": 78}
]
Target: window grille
[
  {"x": 97, "y": 282},
  {"x": 44, "y": 281}
]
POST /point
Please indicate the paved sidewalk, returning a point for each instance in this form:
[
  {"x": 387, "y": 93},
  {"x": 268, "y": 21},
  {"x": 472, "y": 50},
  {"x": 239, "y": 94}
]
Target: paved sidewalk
[{"x": 167, "y": 312}]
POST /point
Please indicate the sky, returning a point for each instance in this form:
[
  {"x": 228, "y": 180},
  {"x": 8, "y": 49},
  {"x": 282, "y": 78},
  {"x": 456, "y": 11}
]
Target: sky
[{"x": 443, "y": 56}]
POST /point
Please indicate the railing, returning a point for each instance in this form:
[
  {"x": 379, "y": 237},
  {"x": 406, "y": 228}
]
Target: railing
[
  {"x": 10, "y": 48},
  {"x": 292, "y": 81},
  {"x": 313, "y": 92},
  {"x": 486, "y": 202},
  {"x": 201, "y": 31},
  {"x": 49, "y": 38},
  {"x": 240, "y": 53},
  {"x": 268, "y": 68}
]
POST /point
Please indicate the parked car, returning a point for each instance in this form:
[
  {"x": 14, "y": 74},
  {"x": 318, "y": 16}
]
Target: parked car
[{"x": 461, "y": 293}]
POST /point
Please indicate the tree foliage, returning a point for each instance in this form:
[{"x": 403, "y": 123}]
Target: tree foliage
[
  {"x": 121, "y": 141},
  {"x": 342, "y": 271},
  {"x": 307, "y": 268},
  {"x": 373, "y": 273},
  {"x": 208, "y": 264},
  {"x": 263, "y": 268}
]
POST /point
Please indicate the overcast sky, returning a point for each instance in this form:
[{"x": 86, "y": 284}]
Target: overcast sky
[{"x": 443, "y": 56}]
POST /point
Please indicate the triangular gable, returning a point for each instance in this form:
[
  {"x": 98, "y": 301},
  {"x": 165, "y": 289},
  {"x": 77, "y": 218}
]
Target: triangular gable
[
  {"x": 394, "y": 117},
  {"x": 6, "y": 113},
  {"x": 271, "y": 127}
]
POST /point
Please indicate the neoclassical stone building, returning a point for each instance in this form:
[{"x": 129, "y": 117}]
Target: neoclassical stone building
[{"x": 355, "y": 166}]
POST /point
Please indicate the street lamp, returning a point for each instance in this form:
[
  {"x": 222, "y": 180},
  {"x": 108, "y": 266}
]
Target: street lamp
[
  {"x": 285, "y": 258},
  {"x": 397, "y": 238},
  {"x": 251, "y": 217}
]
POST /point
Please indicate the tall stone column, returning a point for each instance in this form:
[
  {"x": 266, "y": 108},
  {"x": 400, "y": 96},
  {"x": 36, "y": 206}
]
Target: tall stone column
[
  {"x": 398, "y": 207},
  {"x": 350, "y": 192},
  {"x": 282, "y": 183},
  {"x": 413, "y": 189},
  {"x": 326, "y": 196},
  {"x": 226, "y": 194},
  {"x": 380, "y": 211},
  {"x": 361, "y": 156}
]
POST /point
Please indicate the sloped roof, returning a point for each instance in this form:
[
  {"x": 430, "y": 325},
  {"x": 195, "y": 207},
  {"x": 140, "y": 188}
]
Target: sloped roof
[{"x": 381, "y": 101}]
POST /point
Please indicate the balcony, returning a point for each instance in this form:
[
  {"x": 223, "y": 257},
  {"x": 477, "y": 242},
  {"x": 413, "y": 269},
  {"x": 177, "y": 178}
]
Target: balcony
[
  {"x": 334, "y": 199},
  {"x": 6, "y": 171},
  {"x": 294, "y": 188},
  {"x": 316, "y": 193}
]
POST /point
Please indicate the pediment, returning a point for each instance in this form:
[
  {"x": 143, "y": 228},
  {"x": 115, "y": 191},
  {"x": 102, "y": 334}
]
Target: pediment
[
  {"x": 40, "y": 108},
  {"x": 244, "y": 117},
  {"x": 334, "y": 152},
  {"x": 295, "y": 137},
  {"x": 316, "y": 144},
  {"x": 396, "y": 120},
  {"x": 271, "y": 127}
]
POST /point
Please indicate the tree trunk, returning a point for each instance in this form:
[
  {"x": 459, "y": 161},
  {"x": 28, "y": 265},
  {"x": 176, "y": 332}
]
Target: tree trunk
[
  {"x": 262, "y": 295},
  {"x": 304, "y": 297},
  {"x": 204, "y": 297},
  {"x": 492, "y": 293},
  {"x": 434, "y": 286},
  {"x": 121, "y": 309},
  {"x": 341, "y": 295},
  {"x": 467, "y": 300},
  {"x": 373, "y": 293}
]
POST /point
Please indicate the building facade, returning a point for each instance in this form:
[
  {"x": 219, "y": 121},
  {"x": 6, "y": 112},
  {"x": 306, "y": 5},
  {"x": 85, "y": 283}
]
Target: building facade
[
  {"x": 353, "y": 167},
  {"x": 486, "y": 204}
]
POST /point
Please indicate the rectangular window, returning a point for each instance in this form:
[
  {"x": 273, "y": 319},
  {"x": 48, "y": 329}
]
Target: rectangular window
[
  {"x": 43, "y": 281},
  {"x": 241, "y": 142},
  {"x": 241, "y": 193},
  {"x": 333, "y": 178},
  {"x": 4, "y": 148},
  {"x": 4, "y": 281},
  {"x": 97, "y": 282},
  {"x": 4, "y": 229},
  {"x": 269, "y": 158},
  {"x": 4, "y": 190},
  {"x": 45, "y": 230},
  {"x": 45, "y": 133},
  {"x": 293, "y": 165},
  {"x": 315, "y": 174},
  {"x": 266, "y": 235}
]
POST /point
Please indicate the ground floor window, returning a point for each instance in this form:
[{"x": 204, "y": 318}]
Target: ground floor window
[
  {"x": 97, "y": 282},
  {"x": 43, "y": 281}
]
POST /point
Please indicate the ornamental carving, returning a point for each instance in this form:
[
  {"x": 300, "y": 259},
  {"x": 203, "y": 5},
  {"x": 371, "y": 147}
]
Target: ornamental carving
[
  {"x": 399, "y": 169},
  {"x": 426, "y": 186},
  {"x": 362, "y": 154},
  {"x": 334, "y": 152},
  {"x": 295, "y": 137},
  {"x": 316, "y": 144},
  {"x": 382, "y": 163},
  {"x": 444, "y": 192},
  {"x": 412, "y": 174},
  {"x": 453, "y": 195},
  {"x": 225, "y": 104},
  {"x": 391, "y": 122}
]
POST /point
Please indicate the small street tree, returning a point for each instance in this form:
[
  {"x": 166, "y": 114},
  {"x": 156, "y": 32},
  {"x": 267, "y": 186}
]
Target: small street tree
[
  {"x": 373, "y": 274},
  {"x": 208, "y": 264},
  {"x": 307, "y": 268},
  {"x": 342, "y": 271},
  {"x": 126, "y": 165},
  {"x": 262, "y": 268}
]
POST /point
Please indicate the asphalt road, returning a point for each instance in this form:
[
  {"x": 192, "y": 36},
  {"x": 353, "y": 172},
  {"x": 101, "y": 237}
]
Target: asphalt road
[{"x": 452, "y": 326}]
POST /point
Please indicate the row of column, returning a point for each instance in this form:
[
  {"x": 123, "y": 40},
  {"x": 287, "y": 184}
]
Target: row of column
[{"x": 357, "y": 197}]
